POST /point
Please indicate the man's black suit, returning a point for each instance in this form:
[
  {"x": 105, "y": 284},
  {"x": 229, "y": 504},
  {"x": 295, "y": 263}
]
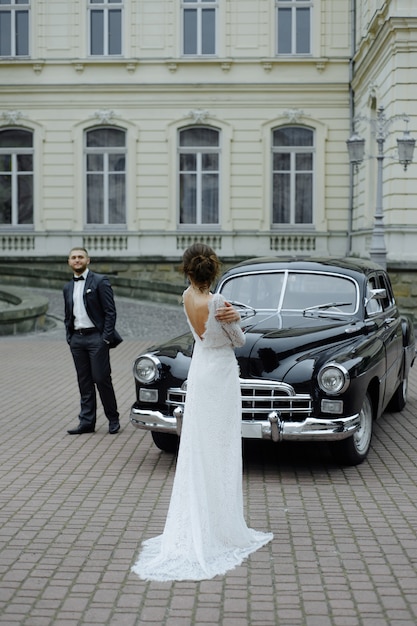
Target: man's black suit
[{"x": 90, "y": 348}]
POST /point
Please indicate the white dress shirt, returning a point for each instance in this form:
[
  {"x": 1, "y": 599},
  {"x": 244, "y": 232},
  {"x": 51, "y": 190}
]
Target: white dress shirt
[{"x": 81, "y": 319}]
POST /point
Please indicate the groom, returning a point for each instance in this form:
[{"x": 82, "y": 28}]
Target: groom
[{"x": 90, "y": 316}]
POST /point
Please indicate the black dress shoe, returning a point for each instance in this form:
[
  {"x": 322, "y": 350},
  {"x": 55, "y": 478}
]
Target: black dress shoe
[
  {"x": 114, "y": 428},
  {"x": 81, "y": 430}
]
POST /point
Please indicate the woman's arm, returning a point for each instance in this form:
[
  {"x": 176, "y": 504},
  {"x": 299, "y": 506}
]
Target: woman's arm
[
  {"x": 227, "y": 313},
  {"x": 229, "y": 319}
]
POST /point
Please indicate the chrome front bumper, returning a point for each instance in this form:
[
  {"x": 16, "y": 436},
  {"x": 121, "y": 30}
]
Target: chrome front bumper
[{"x": 273, "y": 427}]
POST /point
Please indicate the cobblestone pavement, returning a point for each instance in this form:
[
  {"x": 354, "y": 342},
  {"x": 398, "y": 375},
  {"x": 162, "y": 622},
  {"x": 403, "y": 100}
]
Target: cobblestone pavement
[{"x": 73, "y": 510}]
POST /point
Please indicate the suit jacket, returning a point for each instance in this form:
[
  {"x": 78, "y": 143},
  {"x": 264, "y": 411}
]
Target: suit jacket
[{"x": 99, "y": 304}]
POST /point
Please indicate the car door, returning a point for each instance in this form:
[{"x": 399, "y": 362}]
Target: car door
[{"x": 391, "y": 335}]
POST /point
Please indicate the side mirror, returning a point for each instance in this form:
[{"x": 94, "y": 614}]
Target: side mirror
[
  {"x": 378, "y": 294},
  {"x": 375, "y": 294}
]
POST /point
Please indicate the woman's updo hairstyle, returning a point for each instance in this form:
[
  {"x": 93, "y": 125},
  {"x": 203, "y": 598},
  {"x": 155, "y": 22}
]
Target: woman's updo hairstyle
[{"x": 201, "y": 264}]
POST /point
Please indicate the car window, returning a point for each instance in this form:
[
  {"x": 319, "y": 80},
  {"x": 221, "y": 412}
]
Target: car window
[
  {"x": 308, "y": 289},
  {"x": 384, "y": 283},
  {"x": 373, "y": 306},
  {"x": 260, "y": 291},
  {"x": 292, "y": 291}
]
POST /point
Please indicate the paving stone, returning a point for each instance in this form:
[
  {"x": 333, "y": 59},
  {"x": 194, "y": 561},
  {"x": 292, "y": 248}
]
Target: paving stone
[{"x": 74, "y": 510}]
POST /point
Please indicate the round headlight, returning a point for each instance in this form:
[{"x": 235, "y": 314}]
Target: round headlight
[
  {"x": 333, "y": 379},
  {"x": 147, "y": 368}
]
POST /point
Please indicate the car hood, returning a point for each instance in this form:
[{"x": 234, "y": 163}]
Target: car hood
[
  {"x": 279, "y": 325},
  {"x": 276, "y": 344},
  {"x": 278, "y": 347}
]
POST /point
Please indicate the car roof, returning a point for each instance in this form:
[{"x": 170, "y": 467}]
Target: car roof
[{"x": 349, "y": 265}]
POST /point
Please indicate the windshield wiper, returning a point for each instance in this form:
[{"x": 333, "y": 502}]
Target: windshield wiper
[{"x": 322, "y": 308}]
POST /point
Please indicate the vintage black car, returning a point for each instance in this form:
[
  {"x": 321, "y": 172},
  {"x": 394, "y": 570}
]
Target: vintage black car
[{"x": 326, "y": 353}]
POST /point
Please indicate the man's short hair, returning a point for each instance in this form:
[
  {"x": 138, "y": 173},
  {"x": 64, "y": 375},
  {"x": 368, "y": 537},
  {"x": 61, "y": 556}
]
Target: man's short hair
[{"x": 78, "y": 248}]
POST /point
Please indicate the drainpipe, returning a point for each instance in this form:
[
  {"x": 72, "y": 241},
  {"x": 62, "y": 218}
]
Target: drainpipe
[{"x": 351, "y": 117}]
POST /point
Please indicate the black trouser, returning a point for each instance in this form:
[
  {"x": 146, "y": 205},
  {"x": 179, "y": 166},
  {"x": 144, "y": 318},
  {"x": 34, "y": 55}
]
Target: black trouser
[{"x": 92, "y": 362}]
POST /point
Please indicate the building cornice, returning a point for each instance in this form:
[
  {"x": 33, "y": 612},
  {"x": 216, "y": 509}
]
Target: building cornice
[
  {"x": 395, "y": 35},
  {"x": 334, "y": 88},
  {"x": 173, "y": 65}
]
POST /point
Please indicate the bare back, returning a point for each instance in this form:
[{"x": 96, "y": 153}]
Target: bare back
[{"x": 197, "y": 309}]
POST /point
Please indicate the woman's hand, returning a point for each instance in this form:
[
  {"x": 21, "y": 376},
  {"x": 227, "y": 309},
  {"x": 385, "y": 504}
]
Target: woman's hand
[{"x": 227, "y": 313}]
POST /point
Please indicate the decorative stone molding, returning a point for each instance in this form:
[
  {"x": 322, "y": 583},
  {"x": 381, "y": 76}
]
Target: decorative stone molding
[
  {"x": 131, "y": 67},
  {"x": 79, "y": 67},
  {"x": 108, "y": 243},
  {"x": 293, "y": 115},
  {"x": 104, "y": 116},
  {"x": 199, "y": 115},
  {"x": 38, "y": 67},
  {"x": 12, "y": 117},
  {"x": 372, "y": 94},
  {"x": 12, "y": 242},
  {"x": 187, "y": 240},
  {"x": 292, "y": 243},
  {"x": 321, "y": 64},
  {"x": 267, "y": 66},
  {"x": 172, "y": 67}
]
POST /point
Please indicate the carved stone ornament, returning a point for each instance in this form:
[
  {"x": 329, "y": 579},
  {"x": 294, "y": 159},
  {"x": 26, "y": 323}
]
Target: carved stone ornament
[
  {"x": 372, "y": 94},
  {"x": 105, "y": 116},
  {"x": 38, "y": 67},
  {"x": 12, "y": 117},
  {"x": 199, "y": 115},
  {"x": 293, "y": 115}
]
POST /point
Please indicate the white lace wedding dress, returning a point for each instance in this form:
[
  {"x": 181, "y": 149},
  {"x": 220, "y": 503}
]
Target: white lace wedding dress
[{"x": 205, "y": 532}]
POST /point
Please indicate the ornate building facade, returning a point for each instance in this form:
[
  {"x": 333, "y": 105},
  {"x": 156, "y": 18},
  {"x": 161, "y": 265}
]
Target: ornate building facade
[{"x": 135, "y": 127}]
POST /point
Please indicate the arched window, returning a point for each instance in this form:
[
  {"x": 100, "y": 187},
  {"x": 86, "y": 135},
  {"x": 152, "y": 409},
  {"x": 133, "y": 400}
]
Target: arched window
[
  {"x": 16, "y": 177},
  {"x": 199, "y": 166},
  {"x": 292, "y": 175},
  {"x": 106, "y": 176}
]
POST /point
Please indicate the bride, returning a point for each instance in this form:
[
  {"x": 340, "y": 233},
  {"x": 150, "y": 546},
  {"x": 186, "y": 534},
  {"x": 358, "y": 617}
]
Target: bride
[{"x": 205, "y": 532}]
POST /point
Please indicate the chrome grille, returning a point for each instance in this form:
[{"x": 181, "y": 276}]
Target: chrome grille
[{"x": 259, "y": 398}]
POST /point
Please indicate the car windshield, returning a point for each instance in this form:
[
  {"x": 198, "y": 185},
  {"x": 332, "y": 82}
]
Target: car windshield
[{"x": 293, "y": 291}]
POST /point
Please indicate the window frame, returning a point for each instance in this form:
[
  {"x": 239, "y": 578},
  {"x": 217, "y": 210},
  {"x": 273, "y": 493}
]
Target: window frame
[
  {"x": 106, "y": 172},
  {"x": 13, "y": 9},
  {"x": 294, "y": 5},
  {"x": 14, "y": 174},
  {"x": 200, "y": 6},
  {"x": 105, "y": 6},
  {"x": 293, "y": 150},
  {"x": 199, "y": 150},
  {"x": 389, "y": 301}
]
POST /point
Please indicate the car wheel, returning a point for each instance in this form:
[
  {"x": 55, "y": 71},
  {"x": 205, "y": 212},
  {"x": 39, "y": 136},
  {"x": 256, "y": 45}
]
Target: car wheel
[
  {"x": 398, "y": 400},
  {"x": 354, "y": 450},
  {"x": 164, "y": 441}
]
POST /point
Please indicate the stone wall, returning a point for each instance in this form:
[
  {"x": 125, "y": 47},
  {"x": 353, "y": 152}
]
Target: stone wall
[
  {"x": 20, "y": 313},
  {"x": 155, "y": 279},
  {"x": 160, "y": 280},
  {"x": 404, "y": 283}
]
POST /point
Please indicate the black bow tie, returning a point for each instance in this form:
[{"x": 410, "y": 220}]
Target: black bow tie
[{"x": 78, "y": 278}]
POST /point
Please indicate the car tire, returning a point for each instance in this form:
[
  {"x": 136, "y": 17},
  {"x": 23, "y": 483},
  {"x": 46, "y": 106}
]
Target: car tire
[
  {"x": 354, "y": 449},
  {"x": 399, "y": 398},
  {"x": 165, "y": 441}
]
